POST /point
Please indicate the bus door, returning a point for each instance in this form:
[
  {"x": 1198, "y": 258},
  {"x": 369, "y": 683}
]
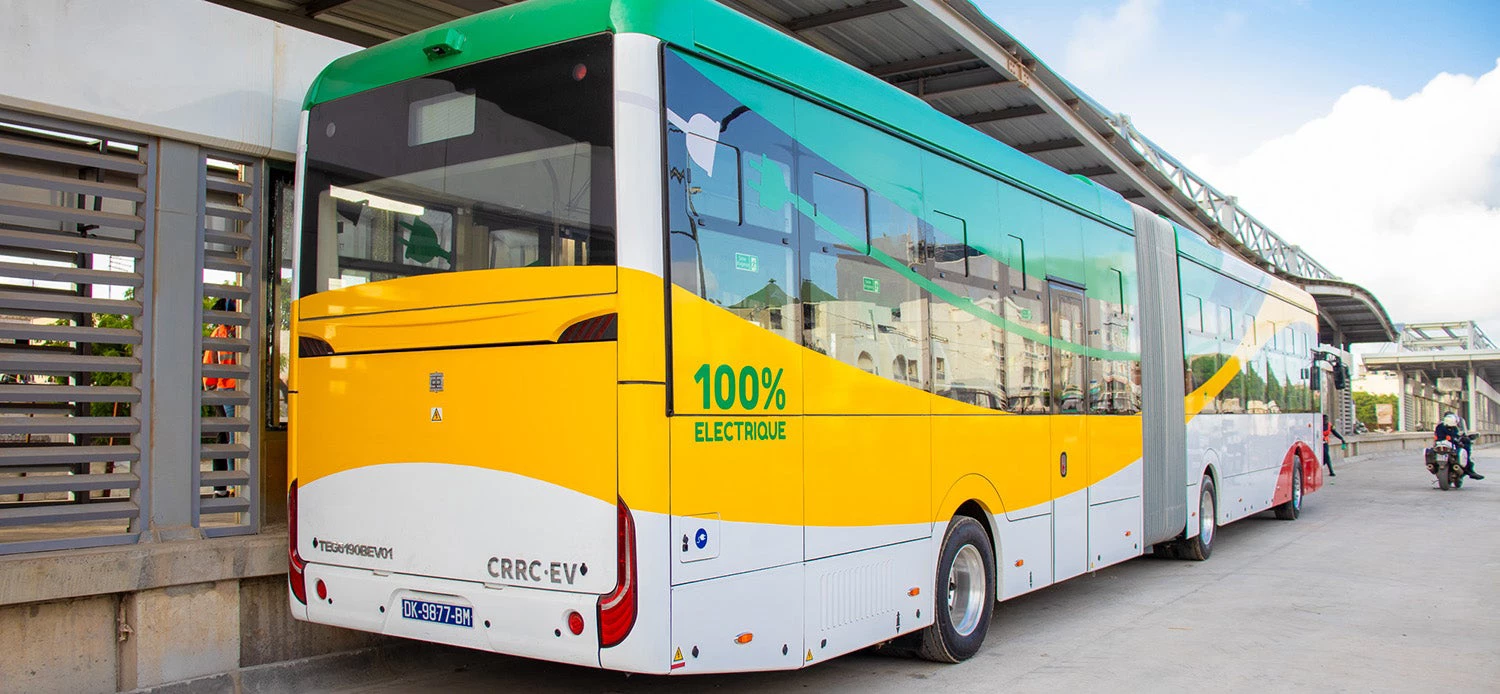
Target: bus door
[{"x": 1070, "y": 473}]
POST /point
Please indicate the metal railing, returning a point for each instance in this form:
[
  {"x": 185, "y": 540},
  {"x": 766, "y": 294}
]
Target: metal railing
[{"x": 1222, "y": 209}]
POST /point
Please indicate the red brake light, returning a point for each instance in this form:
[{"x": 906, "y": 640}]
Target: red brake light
[
  {"x": 617, "y": 609},
  {"x": 596, "y": 329},
  {"x": 575, "y": 623},
  {"x": 294, "y": 575}
]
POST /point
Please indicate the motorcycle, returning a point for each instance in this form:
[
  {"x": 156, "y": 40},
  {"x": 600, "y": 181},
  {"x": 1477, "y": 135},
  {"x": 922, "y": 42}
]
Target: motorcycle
[{"x": 1445, "y": 461}]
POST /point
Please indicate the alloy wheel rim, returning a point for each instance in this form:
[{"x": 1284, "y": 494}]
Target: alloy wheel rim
[
  {"x": 966, "y": 590},
  {"x": 1206, "y": 517},
  {"x": 1297, "y": 489}
]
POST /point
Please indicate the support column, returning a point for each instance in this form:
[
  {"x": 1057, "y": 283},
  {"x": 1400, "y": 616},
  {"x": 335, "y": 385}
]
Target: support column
[
  {"x": 1472, "y": 414},
  {"x": 172, "y": 454},
  {"x": 1400, "y": 399}
]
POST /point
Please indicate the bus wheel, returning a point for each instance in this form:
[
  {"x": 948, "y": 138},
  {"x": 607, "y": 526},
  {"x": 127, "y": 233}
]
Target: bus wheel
[
  {"x": 1200, "y": 547},
  {"x": 1293, "y": 506},
  {"x": 965, "y": 594}
]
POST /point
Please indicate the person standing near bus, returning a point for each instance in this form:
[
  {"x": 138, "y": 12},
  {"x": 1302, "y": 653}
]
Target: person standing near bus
[
  {"x": 1329, "y": 431},
  {"x": 216, "y": 357}
]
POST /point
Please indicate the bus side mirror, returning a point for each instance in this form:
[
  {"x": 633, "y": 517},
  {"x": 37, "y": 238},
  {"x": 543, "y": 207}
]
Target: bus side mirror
[
  {"x": 1317, "y": 379},
  {"x": 1340, "y": 377}
]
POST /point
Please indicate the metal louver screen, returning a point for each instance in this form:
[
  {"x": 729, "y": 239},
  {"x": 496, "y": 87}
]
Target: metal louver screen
[
  {"x": 73, "y": 221},
  {"x": 231, "y": 262}
]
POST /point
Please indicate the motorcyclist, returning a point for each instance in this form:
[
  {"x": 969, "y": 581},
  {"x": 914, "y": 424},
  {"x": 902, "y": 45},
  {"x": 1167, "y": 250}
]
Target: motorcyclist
[{"x": 1448, "y": 430}]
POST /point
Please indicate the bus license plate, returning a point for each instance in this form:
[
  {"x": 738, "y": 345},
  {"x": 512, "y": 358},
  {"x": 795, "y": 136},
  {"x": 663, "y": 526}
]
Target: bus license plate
[{"x": 424, "y": 611}]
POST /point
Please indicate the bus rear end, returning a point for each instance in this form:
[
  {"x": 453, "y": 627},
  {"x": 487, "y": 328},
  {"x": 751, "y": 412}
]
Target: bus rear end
[{"x": 454, "y": 418}]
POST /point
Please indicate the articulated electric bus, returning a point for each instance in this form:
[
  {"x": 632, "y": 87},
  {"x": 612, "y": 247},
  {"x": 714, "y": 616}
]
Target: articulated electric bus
[{"x": 637, "y": 335}]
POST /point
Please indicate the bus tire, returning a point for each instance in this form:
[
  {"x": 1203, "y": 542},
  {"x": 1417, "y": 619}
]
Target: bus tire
[
  {"x": 1200, "y": 546},
  {"x": 962, "y": 605},
  {"x": 1293, "y": 506}
]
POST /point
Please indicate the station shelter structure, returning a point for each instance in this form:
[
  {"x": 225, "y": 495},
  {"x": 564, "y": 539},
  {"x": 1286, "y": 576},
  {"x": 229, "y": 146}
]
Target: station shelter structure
[
  {"x": 1442, "y": 367},
  {"x": 147, "y": 153}
]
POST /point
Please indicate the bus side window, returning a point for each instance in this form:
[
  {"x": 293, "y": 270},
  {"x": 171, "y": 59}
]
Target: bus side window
[
  {"x": 1275, "y": 383},
  {"x": 713, "y": 191},
  {"x": 1255, "y": 384},
  {"x": 1192, "y": 313},
  {"x": 1026, "y": 349},
  {"x": 841, "y": 212},
  {"x": 859, "y": 303},
  {"x": 966, "y": 331},
  {"x": 1113, "y": 387},
  {"x": 729, "y": 218},
  {"x": 966, "y": 337},
  {"x": 842, "y": 313},
  {"x": 1201, "y": 349},
  {"x": 1229, "y": 397}
]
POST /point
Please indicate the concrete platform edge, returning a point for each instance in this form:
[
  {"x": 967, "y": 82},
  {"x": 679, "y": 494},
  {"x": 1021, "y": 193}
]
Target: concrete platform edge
[{"x": 64, "y": 574}]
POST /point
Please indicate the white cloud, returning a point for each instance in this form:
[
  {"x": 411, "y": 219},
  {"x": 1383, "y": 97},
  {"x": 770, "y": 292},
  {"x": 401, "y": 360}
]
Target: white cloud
[
  {"x": 1101, "y": 46},
  {"x": 1399, "y": 195}
]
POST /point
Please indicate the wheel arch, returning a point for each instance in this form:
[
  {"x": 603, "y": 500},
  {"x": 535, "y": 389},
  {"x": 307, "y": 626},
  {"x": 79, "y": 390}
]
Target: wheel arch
[{"x": 974, "y": 496}]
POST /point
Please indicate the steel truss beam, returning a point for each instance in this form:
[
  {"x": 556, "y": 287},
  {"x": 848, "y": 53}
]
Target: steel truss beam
[
  {"x": 823, "y": 19},
  {"x": 924, "y": 63},
  {"x": 953, "y": 82},
  {"x": 1049, "y": 145},
  {"x": 1002, "y": 114},
  {"x": 1090, "y": 171}
]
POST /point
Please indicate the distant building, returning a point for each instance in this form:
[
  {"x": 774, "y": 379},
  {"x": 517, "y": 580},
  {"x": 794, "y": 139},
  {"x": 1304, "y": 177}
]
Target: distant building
[{"x": 1377, "y": 383}]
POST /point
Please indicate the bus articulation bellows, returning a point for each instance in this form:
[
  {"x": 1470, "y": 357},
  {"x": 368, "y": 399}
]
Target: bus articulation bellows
[{"x": 636, "y": 335}]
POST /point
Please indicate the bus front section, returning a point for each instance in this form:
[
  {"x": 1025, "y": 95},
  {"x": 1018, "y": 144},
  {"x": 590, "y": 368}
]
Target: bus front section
[{"x": 455, "y": 395}]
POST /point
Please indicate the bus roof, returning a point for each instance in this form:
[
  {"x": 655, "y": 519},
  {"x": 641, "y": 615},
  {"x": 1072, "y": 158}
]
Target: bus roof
[
  {"x": 1193, "y": 247},
  {"x": 708, "y": 28}
]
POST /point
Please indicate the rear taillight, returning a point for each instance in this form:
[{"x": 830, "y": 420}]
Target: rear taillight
[
  {"x": 596, "y": 329},
  {"x": 295, "y": 565},
  {"x": 617, "y": 609}
]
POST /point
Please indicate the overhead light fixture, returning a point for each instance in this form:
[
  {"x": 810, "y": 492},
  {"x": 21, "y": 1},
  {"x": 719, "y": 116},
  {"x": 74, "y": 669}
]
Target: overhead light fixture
[{"x": 375, "y": 201}]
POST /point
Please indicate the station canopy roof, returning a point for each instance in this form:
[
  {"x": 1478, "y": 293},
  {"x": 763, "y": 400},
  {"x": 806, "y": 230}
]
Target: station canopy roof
[
  {"x": 1440, "y": 349},
  {"x": 962, "y": 63},
  {"x": 1349, "y": 312}
]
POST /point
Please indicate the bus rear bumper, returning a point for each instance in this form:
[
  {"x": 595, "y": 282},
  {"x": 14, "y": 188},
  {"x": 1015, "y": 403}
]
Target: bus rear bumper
[{"x": 511, "y": 620}]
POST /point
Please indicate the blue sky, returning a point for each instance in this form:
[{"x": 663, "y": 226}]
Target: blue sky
[
  {"x": 1366, "y": 132},
  {"x": 1295, "y": 57}
]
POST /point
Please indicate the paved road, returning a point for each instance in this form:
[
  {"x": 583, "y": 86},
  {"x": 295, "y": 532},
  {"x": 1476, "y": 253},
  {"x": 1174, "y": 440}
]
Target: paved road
[{"x": 1384, "y": 584}]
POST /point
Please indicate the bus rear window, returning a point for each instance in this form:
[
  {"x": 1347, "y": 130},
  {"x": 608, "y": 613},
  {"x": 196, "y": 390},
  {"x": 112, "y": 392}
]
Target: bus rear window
[{"x": 499, "y": 164}]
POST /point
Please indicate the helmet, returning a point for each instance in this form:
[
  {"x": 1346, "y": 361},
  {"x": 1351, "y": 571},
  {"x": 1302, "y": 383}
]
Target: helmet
[{"x": 1450, "y": 419}]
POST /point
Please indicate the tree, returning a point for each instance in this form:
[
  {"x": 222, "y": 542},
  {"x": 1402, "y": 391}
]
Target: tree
[{"x": 1364, "y": 406}]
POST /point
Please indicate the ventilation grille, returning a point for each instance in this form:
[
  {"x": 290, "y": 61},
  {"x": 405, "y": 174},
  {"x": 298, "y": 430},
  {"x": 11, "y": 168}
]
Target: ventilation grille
[{"x": 856, "y": 594}]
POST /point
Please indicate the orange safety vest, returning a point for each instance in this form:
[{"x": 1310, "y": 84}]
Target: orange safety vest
[
  {"x": 213, "y": 357},
  {"x": 1327, "y": 432}
]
